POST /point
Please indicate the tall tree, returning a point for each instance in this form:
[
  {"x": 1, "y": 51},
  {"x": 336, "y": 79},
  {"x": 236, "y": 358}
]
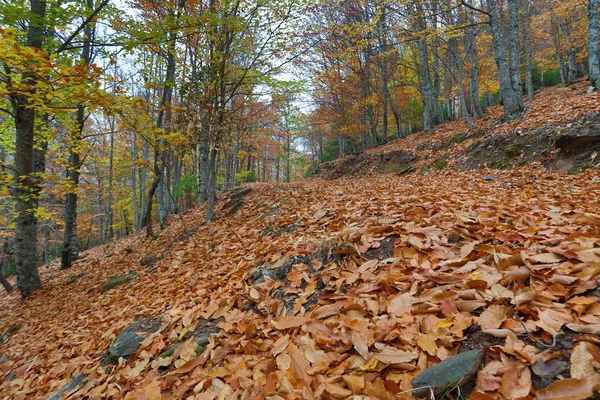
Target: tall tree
[
  {"x": 25, "y": 189},
  {"x": 593, "y": 56}
]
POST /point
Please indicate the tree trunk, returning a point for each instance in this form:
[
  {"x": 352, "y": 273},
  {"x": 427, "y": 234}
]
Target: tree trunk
[
  {"x": 526, "y": 24},
  {"x": 24, "y": 189},
  {"x": 109, "y": 201},
  {"x": 514, "y": 63},
  {"x": 164, "y": 116},
  {"x": 593, "y": 54},
  {"x": 212, "y": 185},
  {"x": 476, "y": 109},
  {"x": 513, "y": 101},
  {"x": 3, "y": 258},
  {"x": 426, "y": 91},
  {"x": 203, "y": 166}
]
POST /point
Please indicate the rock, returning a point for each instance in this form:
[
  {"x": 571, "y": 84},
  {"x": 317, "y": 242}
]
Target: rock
[
  {"x": 74, "y": 383},
  {"x": 8, "y": 332},
  {"x": 549, "y": 369},
  {"x": 454, "y": 371},
  {"x": 3, "y": 358},
  {"x": 118, "y": 280},
  {"x": 147, "y": 260},
  {"x": 205, "y": 328},
  {"x": 10, "y": 376},
  {"x": 586, "y": 132},
  {"x": 129, "y": 340},
  {"x": 277, "y": 273}
]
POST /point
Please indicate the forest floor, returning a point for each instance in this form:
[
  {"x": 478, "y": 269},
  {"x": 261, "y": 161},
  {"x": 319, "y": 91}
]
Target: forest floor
[{"x": 345, "y": 288}]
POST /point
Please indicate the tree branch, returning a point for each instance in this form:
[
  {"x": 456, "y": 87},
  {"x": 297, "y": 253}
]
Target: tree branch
[
  {"x": 469, "y": 6},
  {"x": 88, "y": 20}
]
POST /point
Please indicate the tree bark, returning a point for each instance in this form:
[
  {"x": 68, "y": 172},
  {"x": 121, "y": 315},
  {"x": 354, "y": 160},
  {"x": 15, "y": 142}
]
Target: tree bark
[
  {"x": 526, "y": 24},
  {"x": 426, "y": 90},
  {"x": 513, "y": 101},
  {"x": 25, "y": 188},
  {"x": 164, "y": 116},
  {"x": 212, "y": 185},
  {"x": 593, "y": 54},
  {"x": 514, "y": 63},
  {"x": 476, "y": 109}
]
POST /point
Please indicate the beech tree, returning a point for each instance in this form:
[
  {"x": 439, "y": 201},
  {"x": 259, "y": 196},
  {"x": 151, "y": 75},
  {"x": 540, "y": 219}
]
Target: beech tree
[{"x": 593, "y": 54}]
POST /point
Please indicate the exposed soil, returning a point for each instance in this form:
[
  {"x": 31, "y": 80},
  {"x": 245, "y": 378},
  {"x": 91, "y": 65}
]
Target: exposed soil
[
  {"x": 385, "y": 249},
  {"x": 397, "y": 162},
  {"x": 505, "y": 151}
]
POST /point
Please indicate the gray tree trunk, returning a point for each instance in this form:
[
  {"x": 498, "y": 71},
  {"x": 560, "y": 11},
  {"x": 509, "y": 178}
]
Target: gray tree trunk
[
  {"x": 212, "y": 185},
  {"x": 24, "y": 188},
  {"x": 476, "y": 109},
  {"x": 108, "y": 213},
  {"x": 513, "y": 101},
  {"x": 526, "y": 24},
  {"x": 593, "y": 56},
  {"x": 514, "y": 63},
  {"x": 426, "y": 89},
  {"x": 164, "y": 116}
]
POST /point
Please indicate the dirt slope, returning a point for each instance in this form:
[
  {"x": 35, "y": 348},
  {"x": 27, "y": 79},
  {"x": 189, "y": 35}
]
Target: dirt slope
[
  {"x": 331, "y": 289},
  {"x": 491, "y": 143}
]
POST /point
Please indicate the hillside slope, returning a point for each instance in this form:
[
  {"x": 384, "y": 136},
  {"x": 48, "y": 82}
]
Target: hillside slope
[
  {"x": 330, "y": 289},
  {"x": 490, "y": 143}
]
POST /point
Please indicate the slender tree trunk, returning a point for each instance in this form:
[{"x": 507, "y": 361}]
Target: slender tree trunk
[
  {"x": 3, "y": 259},
  {"x": 203, "y": 166},
  {"x": 70, "y": 247},
  {"x": 109, "y": 201},
  {"x": 513, "y": 101},
  {"x": 134, "y": 188},
  {"x": 164, "y": 116},
  {"x": 514, "y": 63},
  {"x": 70, "y": 251},
  {"x": 593, "y": 54},
  {"x": 426, "y": 90},
  {"x": 476, "y": 109},
  {"x": 212, "y": 185},
  {"x": 526, "y": 24}
]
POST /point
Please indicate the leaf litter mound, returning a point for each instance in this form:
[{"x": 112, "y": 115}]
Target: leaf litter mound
[{"x": 382, "y": 278}]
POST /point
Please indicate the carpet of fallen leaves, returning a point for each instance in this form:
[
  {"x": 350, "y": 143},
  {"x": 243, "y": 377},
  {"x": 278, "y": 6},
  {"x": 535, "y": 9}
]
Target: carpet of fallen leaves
[{"x": 413, "y": 263}]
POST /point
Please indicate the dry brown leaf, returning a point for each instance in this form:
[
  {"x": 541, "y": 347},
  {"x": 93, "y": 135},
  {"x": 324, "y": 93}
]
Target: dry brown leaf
[
  {"x": 356, "y": 383},
  {"x": 360, "y": 344},
  {"x": 493, "y": 317},
  {"x": 280, "y": 345},
  {"x": 582, "y": 360},
  {"x": 390, "y": 356},
  {"x": 337, "y": 391},
  {"x": 570, "y": 389},
  {"x": 289, "y": 322}
]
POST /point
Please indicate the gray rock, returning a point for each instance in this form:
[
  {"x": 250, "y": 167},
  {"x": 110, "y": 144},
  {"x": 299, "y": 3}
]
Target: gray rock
[
  {"x": 549, "y": 369},
  {"x": 205, "y": 328},
  {"x": 10, "y": 376},
  {"x": 118, "y": 280},
  {"x": 454, "y": 371},
  {"x": 129, "y": 340},
  {"x": 3, "y": 358},
  {"x": 585, "y": 133},
  {"x": 147, "y": 260},
  {"x": 75, "y": 382}
]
